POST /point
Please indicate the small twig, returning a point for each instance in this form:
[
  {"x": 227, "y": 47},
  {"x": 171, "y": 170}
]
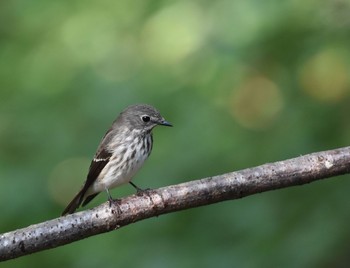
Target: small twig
[{"x": 65, "y": 230}]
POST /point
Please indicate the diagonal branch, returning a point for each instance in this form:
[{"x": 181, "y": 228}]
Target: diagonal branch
[{"x": 65, "y": 230}]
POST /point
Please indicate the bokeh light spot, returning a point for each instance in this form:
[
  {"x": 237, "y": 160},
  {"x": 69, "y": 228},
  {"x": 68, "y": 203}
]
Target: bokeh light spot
[
  {"x": 90, "y": 36},
  {"x": 256, "y": 103},
  {"x": 174, "y": 33},
  {"x": 67, "y": 178},
  {"x": 325, "y": 76}
]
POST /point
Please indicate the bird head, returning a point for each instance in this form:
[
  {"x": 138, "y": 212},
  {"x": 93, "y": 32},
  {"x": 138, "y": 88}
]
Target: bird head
[{"x": 142, "y": 117}]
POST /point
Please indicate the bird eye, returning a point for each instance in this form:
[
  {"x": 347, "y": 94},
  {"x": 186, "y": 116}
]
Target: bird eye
[{"x": 145, "y": 118}]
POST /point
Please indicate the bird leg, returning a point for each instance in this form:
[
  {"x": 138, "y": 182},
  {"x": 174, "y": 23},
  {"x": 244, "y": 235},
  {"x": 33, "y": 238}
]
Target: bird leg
[
  {"x": 140, "y": 191},
  {"x": 115, "y": 202}
]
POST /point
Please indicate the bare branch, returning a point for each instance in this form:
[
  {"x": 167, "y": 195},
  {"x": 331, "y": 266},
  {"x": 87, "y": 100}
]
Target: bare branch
[{"x": 64, "y": 230}]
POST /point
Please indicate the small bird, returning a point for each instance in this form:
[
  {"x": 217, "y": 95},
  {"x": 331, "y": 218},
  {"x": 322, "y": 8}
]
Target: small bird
[{"x": 121, "y": 153}]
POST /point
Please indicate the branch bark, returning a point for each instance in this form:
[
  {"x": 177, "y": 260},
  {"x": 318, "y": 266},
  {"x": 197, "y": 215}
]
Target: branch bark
[{"x": 271, "y": 176}]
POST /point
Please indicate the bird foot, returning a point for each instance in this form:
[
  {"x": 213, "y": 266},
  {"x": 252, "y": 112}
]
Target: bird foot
[
  {"x": 141, "y": 192},
  {"x": 116, "y": 204}
]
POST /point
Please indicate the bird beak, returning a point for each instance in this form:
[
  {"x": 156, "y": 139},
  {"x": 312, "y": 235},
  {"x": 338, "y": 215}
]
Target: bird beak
[{"x": 165, "y": 123}]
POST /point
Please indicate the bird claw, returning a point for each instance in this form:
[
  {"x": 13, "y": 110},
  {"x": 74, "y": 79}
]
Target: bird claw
[
  {"x": 141, "y": 192},
  {"x": 116, "y": 203}
]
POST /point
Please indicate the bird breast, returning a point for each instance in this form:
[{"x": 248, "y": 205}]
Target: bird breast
[{"x": 127, "y": 158}]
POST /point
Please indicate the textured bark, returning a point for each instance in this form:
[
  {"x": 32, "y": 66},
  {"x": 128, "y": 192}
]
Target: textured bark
[{"x": 271, "y": 176}]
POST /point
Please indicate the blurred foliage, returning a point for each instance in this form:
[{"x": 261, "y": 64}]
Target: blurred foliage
[{"x": 243, "y": 82}]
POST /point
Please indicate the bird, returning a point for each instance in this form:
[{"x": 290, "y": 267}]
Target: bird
[{"x": 120, "y": 154}]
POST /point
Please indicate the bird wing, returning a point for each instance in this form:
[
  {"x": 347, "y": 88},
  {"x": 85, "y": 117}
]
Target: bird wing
[
  {"x": 97, "y": 164},
  {"x": 100, "y": 160}
]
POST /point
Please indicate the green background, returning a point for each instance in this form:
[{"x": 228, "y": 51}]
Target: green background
[{"x": 243, "y": 82}]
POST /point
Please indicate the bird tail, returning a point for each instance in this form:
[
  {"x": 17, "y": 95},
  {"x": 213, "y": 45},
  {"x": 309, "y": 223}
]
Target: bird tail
[{"x": 75, "y": 203}]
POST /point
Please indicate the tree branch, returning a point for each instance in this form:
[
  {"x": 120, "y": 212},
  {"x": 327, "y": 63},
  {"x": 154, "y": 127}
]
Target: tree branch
[{"x": 64, "y": 230}]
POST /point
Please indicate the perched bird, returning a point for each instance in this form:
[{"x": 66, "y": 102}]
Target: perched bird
[{"x": 121, "y": 153}]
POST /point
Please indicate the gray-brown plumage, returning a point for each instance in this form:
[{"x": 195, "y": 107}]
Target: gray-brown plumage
[{"x": 121, "y": 153}]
